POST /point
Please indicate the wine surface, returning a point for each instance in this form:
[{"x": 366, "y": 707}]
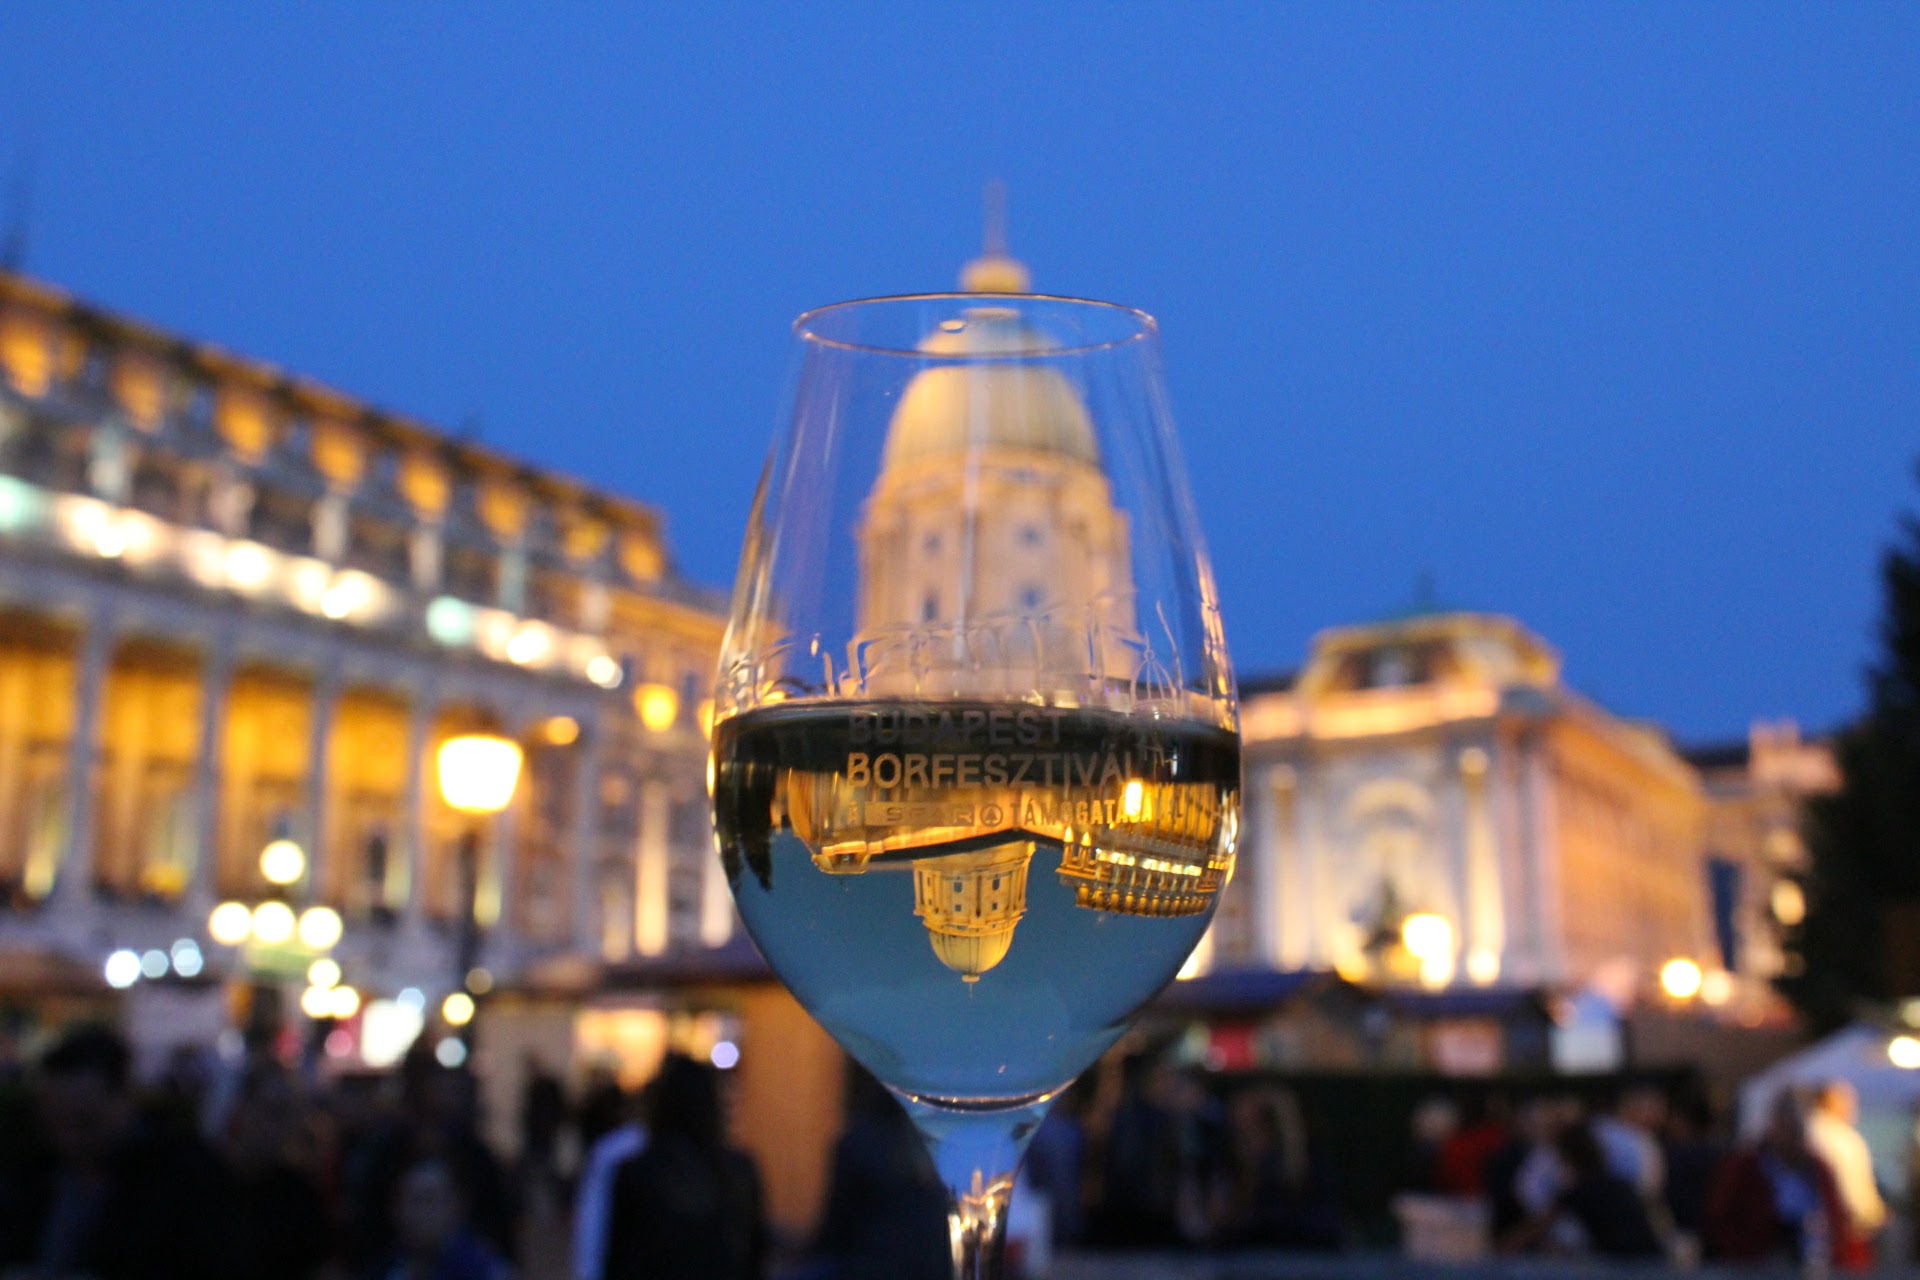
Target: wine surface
[{"x": 974, "y": 898}]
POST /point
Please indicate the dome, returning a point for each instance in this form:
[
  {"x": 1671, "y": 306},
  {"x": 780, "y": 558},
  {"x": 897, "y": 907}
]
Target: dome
[
  {"x": 949, "y": 409},
  {"x": 972, "y": 954},
  {"x": 970, "y": 903}
]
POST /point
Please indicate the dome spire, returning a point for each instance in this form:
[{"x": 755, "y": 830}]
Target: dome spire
[{"x": 995, "y": 271}]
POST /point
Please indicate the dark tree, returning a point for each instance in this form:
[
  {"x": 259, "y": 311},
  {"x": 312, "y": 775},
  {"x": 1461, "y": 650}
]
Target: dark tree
[{"x": 1863, "y": 841}]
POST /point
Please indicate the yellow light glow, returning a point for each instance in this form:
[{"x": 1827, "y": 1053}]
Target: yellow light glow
[
  {"x": 1483, "y": 966},
  {"x": 343, "y": 597},
  {"x": 706, "y": 717},
  {"x": 1133, "y": 801},
  {"x": 1716, "y": 988},
  {"x": 343, "y": 1002},
  {"x": 658, "y": 705},
  {"x": 1426, "y": 936},
  {"x": 1681, "y": 978},
  {"x": 1352, "y": 968},
  {"x": 248, "y": 565},
  {"x": 320, "y": 927},
  {"x": 530, "y": 644},
  {"x": 457, "y": 1009},
  {"x": 562, "y": 731},
  {"x": 1789, "y": 902},
  {"x": 282, "y": 862},
  {"x": 272, "y": 923},
  {"x": 230, "y": 924},
  {"x": 1904, "y": 1052},
  {"x": 317, "y": 1002},
  {"x": 478, "y": 772},
  {"x": 603, "y": 671},
  {"x": 323, "y": 973}
]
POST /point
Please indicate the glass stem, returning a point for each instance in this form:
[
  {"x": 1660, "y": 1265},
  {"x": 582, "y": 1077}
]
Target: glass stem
[{"x": 977, "y": 1152}]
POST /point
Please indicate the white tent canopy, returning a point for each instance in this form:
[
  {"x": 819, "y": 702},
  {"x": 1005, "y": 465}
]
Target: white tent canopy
[{"x": 1889, "y": 1095}]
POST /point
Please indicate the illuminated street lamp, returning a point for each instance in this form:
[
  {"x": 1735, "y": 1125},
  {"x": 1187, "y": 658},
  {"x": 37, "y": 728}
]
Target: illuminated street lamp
[
  {"x": 478, "y": 772},
  {"x": 1681, "y": 978},
  {"x": 1428, "y": 938}
]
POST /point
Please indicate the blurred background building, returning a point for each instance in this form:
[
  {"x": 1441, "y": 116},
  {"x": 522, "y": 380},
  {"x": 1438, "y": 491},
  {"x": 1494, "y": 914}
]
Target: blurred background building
[
  {"x": 240, "y": 613},
  {"x": 1432, "y": 813}
]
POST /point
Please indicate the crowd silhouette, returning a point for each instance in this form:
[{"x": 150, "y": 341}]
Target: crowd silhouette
[{"x": 251, "y": 1169}]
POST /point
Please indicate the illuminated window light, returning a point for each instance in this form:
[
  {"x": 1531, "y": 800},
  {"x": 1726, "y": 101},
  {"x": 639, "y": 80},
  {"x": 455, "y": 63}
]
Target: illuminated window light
[
  {"x": 388, "y": 1029},
  {"x": 561, "y": 731},
  {"x": 324, "y": 973},
  {"x": 21, "y": 504},
  {"x": 317, "y": 1002},
  {"x": 658, "y": 706},
  {"x": 603, "y": 671},
  {"x": 450, "y": 621},
  {"x": 1483, "y": 966},
  {"x": 1716, "y": 988},
  {"x": 343, "y": 1002},
  {"x": 450, "y": 1053},
  {"x": 457, "y": 1009},
  {"x": 154, "y": 964},
  {"x": 248, "y": 565},
  {"x": 1789, "y": 902},
  {"x": 122, "y": 970},
  {"x": 530, "y": 644}
]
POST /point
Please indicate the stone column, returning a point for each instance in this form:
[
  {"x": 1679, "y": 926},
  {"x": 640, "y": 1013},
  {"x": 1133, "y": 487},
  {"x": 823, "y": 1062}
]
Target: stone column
[
  {"x": 1287, "y": 914},
  {"x": 495, "y": 908},
  {"x": 216, "y": 687},
  {"x": 70, "y": 885},
  {"x": 326, "y": 705},
  {"x": 1540, "y": 853},
  {"x": 1486, "y": 918},
  {"x": 584, "y": 842},
  {"x": 426, "y": 706},
  {"x": 650, "y": 869}
]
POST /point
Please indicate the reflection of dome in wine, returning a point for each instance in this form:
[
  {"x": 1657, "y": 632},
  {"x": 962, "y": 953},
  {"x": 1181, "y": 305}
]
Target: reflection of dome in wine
[{"x": 971, "y": 903}]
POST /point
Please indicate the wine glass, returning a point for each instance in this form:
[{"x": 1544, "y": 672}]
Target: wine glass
[{"x": 976, "y": 763}]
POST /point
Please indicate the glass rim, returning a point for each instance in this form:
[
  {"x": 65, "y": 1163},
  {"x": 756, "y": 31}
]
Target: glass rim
[{"x": 1144, "y": 326}]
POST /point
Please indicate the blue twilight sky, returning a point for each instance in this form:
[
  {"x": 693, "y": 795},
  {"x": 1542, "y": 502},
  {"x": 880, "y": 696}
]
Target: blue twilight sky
[{"x": 1607, "y": 317}]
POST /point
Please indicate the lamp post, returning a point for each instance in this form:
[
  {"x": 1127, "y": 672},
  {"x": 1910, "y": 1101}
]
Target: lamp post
[{"x": 477, "y": 774}]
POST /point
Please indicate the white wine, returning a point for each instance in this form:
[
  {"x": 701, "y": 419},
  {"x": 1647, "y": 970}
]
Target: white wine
[{"x": 974, "y": 898}]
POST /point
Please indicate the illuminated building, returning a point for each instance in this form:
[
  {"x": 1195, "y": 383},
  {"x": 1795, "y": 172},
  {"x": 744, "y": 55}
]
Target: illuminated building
[
  {"x": 1756, "y": 860},
  {"x": 1437, "y": 764},
  {"x": 238, "y": 607},
  {"x": 1436, "y": 769}
]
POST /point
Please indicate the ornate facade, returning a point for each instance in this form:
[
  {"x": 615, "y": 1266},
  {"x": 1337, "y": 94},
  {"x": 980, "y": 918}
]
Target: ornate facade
[
  {"x": 237, "y": 606},
  {"x": 1437, "y": 765}
]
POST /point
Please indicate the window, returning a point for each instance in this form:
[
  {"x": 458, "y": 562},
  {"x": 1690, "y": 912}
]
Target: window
[
  {"x": 1030, "y": 597},
  {"x": 930, "y": 608},
  {"x": 931, "y": 543},
  {"x": 1031, "y": 535}
]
